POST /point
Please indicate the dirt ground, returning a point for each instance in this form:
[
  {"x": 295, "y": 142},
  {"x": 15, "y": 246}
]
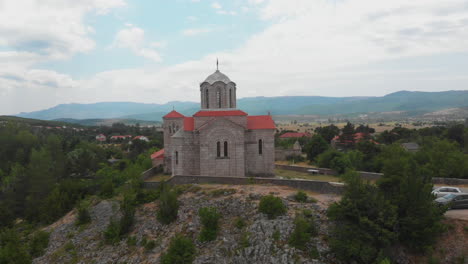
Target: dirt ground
[{"x": 324, "y": 200}]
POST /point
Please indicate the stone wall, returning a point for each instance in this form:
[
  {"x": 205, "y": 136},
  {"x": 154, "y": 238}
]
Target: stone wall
[
  {"x": 282, "y": 154},
  {"x": 369, "y": 175},
  {"x": 308, "y": 185},
  {"x": 260, "y": 164},
  {"x": 222, "y": 130}
]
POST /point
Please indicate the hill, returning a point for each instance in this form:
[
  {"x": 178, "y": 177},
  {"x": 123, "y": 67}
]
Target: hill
[{"x": 410, "y": 103}]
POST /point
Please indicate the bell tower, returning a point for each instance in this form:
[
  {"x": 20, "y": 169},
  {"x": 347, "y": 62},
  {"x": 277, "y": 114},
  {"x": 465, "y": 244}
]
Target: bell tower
[{"x": 218, "y": 92}]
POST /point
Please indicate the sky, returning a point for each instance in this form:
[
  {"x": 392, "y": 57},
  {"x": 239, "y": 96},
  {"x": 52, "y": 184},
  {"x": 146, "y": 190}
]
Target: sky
[{"x": 155, "y": 51}]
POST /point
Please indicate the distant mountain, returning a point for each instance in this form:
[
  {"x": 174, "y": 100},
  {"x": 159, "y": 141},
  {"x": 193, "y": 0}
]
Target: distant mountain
[
  {"x": 107, "y": 122},
  {"x": 414, "y": 103},
  {"x": 104, "y": 110}
]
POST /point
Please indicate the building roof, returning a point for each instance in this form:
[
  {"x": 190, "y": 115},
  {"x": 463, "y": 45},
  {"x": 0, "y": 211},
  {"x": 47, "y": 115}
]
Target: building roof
[
  {"x": 140, "y": 137},
  {"x": 120, "y": 136},
  {"x": 410, "y": 146},
  {"x": 158, "y": 154},
  {"x": 173, "y": 114},
  {"x": 189, "y": 124},
  {"x": 217, "y": 76},
  {"x": 260, "y": 122},
  {"x": 295, "y": 135},
  {"x": 220, "y": 113}
]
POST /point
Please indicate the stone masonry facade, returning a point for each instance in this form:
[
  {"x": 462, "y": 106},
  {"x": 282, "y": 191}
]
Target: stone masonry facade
[{"x": 219, "y": 140}]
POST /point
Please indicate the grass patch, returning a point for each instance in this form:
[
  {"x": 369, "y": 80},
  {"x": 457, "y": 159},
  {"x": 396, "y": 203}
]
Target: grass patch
[
  {"x": 158, "y": 178},
  {"x": 222, "y": 192},
  {"x": 287, "y": 174}
]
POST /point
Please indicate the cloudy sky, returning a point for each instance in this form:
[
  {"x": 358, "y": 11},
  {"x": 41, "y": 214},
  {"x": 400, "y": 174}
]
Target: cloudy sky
[{"x": 155, "y": 51}]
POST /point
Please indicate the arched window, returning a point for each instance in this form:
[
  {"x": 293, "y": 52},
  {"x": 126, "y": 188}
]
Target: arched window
[
  {"x": 218, "y": 149},
  {"x": 170, "y": 130},
  {"x": 260, "y": 147},
  {"x": 176, "y": 157},
  {"x": 218, "y": 97},
  {"x": 225, "y": 149},
  {"x": 230, "y": 98},
  {"x": 207, "y": 99}
]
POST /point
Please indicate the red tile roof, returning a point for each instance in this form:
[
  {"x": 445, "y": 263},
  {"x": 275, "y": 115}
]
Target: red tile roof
[
  {"x": 189, "y": 124},
  {"x": 220, "y": 113},
  {"x": 158, "y": 154},
  {"x": 260, "y": 122},
  {"x": 295, "y": 135},
  {"x": 173, "y": 114}
]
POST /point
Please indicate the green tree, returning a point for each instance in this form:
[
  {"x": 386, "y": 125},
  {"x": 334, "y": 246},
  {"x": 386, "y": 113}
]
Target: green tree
[
  {"x": 12, "y": 249},
  {"x": 364, "y": 222},
  {"x": 316, "y": 146},
  {"x": 408, "y": 187},
  {"x": 41, "y": 181},
  {"x": 328, "y": 132}
]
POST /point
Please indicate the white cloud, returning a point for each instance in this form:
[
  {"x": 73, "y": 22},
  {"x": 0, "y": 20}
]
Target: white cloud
[
  {"x": 133, "y": 38},
  {"x": 54, "y": 29},
  {"x": 195, "y": 31},
  {"x": 216, "y": 5}
]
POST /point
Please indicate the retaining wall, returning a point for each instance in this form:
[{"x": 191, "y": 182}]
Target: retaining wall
[
  {"x": 308, "y": 185},
  {"x": 369, "y": 175}
]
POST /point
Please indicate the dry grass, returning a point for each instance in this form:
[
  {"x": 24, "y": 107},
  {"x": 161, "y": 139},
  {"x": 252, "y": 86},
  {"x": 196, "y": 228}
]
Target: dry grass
[
  {"x": 158, "y": 178},
  {"x": 287, "y": 174}
]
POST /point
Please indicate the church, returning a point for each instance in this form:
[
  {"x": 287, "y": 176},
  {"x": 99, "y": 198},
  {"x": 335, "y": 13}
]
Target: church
[{"x": 218, "y": 140}]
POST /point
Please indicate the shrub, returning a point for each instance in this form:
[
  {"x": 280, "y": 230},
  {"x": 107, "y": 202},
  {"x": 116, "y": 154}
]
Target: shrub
[
  {"x": 150, "y": 245},
  {"x": 244, "y": 240},
  {"x": 112, "y": 232},
  {"x": 83, "y": 216},
  {"x": 276, "y": 235},
  {"x": 38, "y": 243},
  {"x": 300, "y": 196},
  {"x": 131, "y": 241},
  {"x": 304, "y": 229},
  {"x": 181, "y": 250},
  {"x": 209, "y": 218},
  {"x": 239, "y": 222},
  {"x": 168, "y": 206},
  {"x": 272, "y": 206},
  {"x": 12, "y": 250}
]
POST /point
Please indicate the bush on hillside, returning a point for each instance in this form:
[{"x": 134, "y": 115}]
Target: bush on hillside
[
  {"x": 181, "y": 251},
  {"x": 272, "y": 206},
  {"x": 301, "y": 197},
  {"x": 209, "y": 218},
  {"x": 168, "y": 206},
  {"x": 38, "y": 243},
  {"x": 304, "y": 229}
]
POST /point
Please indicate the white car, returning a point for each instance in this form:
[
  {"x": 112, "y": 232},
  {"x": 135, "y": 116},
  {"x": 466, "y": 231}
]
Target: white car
[{"x": 444, "y": 190}]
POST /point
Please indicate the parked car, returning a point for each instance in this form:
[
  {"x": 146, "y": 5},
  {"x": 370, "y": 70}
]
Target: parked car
[
  {"x": 454, "y": 200},
  {"x": 444, "y": 190}
]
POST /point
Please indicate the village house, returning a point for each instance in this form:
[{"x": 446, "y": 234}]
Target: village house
[{"x": 101, "y": 138}]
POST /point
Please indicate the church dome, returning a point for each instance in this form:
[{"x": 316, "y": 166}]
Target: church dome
[{"x": 217, "y": 76}]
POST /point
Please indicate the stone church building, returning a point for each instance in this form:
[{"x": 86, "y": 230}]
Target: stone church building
[{"x": 218, "y": 140}]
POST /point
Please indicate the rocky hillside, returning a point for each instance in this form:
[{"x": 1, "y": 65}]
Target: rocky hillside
[
  {"x": 260, "y": 240},
  {"x": 254, "y": 243}
]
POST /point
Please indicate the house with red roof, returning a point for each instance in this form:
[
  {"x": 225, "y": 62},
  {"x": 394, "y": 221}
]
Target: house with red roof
[
  {"x": 143, "y": 138},
  {"x": 101, "y": 138},
  {"x": 157, "y": 158},
  {"x": 339, "y": 141},
  {"x": 218, "y": 140},
  {"x": 295, "y": 135},
  {"x": 121, "y": 137}
]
